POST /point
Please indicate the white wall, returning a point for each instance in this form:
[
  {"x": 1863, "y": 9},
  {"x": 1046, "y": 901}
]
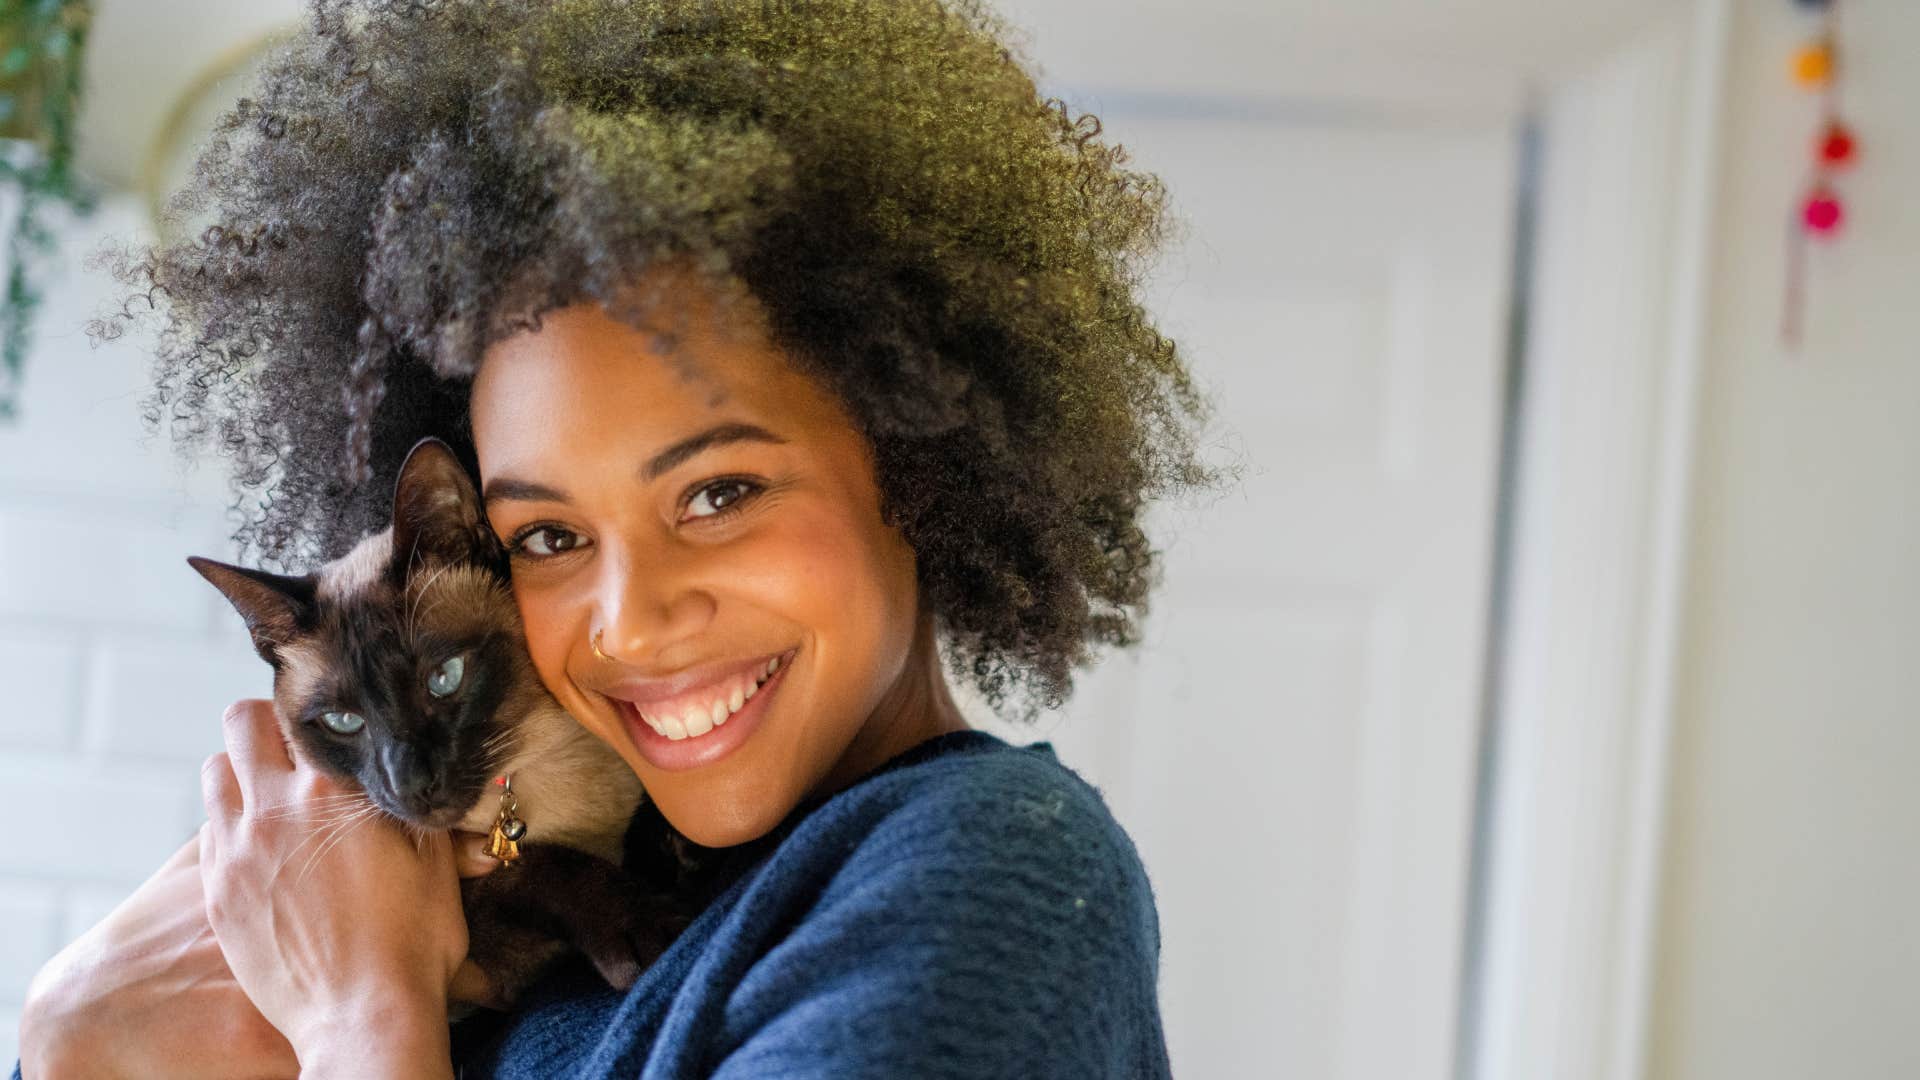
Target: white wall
[
  {"x": 1789, "y": 941},
  {"x": 116, "y": 658}
]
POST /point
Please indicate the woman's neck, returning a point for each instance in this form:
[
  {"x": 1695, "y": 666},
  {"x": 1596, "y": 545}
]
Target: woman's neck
[{"x": 918, "y": 707}]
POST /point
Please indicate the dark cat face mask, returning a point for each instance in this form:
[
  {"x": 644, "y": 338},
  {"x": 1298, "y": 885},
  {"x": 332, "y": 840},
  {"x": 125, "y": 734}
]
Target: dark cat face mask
[{"x": 402, "y": 664}]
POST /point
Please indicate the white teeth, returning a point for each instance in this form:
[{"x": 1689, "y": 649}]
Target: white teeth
[{"x": 697, "y": 720}]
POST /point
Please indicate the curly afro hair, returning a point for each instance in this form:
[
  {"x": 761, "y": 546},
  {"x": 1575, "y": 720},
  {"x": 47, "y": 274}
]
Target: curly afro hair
[{"x": 957, "y": 258}]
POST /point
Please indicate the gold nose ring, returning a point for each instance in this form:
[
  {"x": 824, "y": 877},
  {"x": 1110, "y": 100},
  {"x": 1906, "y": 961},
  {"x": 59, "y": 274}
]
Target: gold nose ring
[{"x": 594, "y": 644}]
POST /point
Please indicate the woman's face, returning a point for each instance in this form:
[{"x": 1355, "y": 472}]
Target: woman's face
[{"x": 678, "y": 528}]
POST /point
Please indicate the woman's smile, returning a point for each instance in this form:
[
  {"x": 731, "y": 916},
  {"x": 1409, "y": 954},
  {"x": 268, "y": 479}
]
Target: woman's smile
[
  {"x": 706, "y": 724},
  {"x": 695, "y": 701}
]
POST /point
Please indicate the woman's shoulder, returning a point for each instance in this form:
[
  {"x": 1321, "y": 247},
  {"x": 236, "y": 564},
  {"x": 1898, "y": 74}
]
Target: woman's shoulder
[
  {"x": 969, "y": 821},
  {"x": 971, "y": 799},
  {"x": 964, "y": 874},
  {"x": 979, "y": 772}
]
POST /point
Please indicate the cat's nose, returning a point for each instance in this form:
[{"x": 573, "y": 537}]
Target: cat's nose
[{"x": 413, "y": 781}]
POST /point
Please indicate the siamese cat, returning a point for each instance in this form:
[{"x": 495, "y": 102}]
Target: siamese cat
[{"x": 402, "y": 667}]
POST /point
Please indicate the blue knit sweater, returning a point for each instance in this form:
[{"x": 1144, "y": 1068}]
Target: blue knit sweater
[{"x": 969, "y": 909}]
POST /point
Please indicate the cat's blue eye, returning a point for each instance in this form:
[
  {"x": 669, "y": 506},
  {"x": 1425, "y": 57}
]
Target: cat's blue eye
[
  {"x": 445, "y": 679},
  {"x": 345, "y": 723}
]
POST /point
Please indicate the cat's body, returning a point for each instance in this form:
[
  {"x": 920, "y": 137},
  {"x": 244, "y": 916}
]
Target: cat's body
[{"x": 401, "y": 666}]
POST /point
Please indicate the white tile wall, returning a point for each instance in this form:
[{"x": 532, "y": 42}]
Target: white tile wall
[
  {"x": 9, "y": 1046},
  {"x": 31, "y": 914},
  {"x": 115, "y": 658},
  {"x": 40, "y": 667}
]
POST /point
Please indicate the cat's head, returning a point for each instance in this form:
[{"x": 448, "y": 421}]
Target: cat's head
[{"x": 401, "y": 664}]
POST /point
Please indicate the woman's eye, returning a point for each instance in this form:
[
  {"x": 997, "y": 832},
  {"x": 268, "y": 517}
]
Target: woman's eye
[
  {"x": 545, "y": 541},
  {"x": 343, "y": 723},
  {"x": 720, "y": 496},
  {"x": 445, "y": 679}
]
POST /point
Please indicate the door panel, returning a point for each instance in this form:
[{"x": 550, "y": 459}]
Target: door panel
[{"x": 1292, "y": 747}]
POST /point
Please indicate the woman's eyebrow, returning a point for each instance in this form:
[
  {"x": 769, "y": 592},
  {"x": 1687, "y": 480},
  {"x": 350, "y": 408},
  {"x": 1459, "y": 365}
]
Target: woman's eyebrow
[
  {"x": 718, "y": 435},
  {"x": 510, "y": 488}
]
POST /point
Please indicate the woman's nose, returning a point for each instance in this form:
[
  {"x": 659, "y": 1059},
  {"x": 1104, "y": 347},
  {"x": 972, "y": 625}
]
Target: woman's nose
[{"x": 648, "y": 602}]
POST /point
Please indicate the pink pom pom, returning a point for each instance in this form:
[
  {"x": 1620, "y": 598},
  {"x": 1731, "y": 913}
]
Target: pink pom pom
[{"x": 1822, "y": 213}]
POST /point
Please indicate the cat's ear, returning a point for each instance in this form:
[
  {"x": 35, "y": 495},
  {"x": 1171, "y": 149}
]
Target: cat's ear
[
  {"x": 437, "y": 511},
  {"x": 274, "y": 605}
]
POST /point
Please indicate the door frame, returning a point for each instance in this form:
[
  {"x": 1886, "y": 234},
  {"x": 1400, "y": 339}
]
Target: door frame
[{"x": 1581, "y": 710}]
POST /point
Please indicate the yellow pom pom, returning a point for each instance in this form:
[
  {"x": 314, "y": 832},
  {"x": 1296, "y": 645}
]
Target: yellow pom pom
[{"x": 1813, "y": 65}]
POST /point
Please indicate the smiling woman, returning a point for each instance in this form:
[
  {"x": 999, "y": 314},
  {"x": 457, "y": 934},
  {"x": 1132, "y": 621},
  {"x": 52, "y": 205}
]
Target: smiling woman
[{"x": 797, "y": 350}]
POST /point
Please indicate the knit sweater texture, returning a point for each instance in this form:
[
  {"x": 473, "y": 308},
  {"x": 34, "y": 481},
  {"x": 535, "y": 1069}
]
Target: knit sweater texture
[{"x": 969, "y": 909}]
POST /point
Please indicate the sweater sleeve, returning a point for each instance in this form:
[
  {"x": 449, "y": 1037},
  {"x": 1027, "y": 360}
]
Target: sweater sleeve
[{"x": 1001, "y": 926}]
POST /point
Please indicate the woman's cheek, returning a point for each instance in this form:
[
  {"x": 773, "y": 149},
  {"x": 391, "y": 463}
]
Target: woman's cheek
[
  {"x": 856, "y": 580},
  {"x": 542, "y": 618},
  {"x": 804, "y": 573}
]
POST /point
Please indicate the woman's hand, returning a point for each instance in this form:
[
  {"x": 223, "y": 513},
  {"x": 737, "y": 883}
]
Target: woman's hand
[
  {"x": 346, "y": 936},
  {"x": 146, "y": 993}
]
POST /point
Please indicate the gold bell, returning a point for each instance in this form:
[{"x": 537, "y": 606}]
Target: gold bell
[{"x": 503, "y": 841}]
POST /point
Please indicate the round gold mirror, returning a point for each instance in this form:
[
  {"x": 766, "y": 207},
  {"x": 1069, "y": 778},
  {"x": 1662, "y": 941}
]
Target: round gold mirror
[{"x": 168, "y": 165}]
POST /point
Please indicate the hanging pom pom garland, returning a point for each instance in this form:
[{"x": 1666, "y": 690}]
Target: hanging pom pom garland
[{"x": 1819, "y": 213}]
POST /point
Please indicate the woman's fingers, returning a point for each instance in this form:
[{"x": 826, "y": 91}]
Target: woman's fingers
[
  {"x": 254, "y": 743},
  {"x": 471, "y": 985},
  {"x": 470, "y": 855},
  {"x": 203, "y": 848},
  {"x": 220, "y": 789}
]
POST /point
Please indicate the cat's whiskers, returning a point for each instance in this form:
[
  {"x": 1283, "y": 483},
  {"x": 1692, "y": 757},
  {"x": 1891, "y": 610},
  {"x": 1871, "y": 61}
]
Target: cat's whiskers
[
  {"x": 413, "y": 553},
  {"x": 338, "y": 796},
  {"x": 437, "y": 601},
  {"x": 320, "y": 831},
  {"x": 323, "y": 827},
  {"x": 329, "y": 796},
  {"x": 421, "y": 838},
  {"x": 413, "y": 608},
  {"x": 317, "y": 819},
  {"x": 501, "y": 748},
  {"x": 312, "y": 809},
  {"x": 339, "y": 832}
]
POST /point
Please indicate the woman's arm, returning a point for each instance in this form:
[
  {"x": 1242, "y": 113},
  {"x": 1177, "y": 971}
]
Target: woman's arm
[
  {"x": 347, "y": 942},
  {"x": 146, "y": 993}
]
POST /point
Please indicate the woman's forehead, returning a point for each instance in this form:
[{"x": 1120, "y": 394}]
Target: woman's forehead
[{"x": 586, "y": 379}]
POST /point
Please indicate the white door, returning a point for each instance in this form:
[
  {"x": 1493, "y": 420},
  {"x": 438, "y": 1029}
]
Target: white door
[{"x": 1293, "y": 747}]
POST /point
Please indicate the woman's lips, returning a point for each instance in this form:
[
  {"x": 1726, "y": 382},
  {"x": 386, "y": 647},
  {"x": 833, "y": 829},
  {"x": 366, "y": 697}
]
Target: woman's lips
[
  {"x": 687, "y": 739},
  {"x": 690, "y": 685}
]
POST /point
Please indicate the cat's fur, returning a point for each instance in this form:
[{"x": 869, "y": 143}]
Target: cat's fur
[{"x": 362, "y": 634}]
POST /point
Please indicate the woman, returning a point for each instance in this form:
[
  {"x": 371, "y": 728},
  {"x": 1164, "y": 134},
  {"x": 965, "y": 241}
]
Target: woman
[{"x": 798, "y": 338}]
